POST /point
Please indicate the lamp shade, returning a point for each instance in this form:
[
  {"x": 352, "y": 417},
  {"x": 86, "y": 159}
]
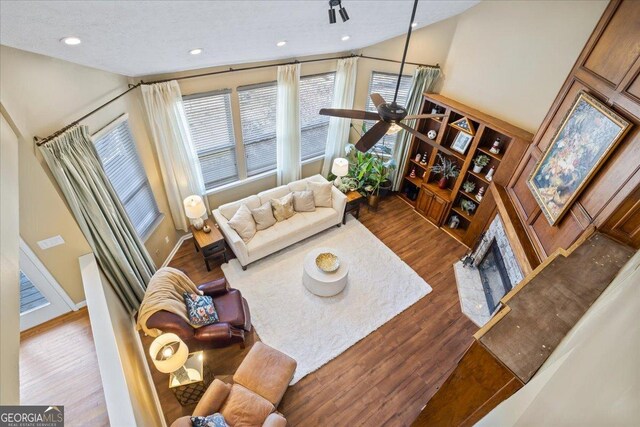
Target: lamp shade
[
  {"x": 168, "y": 352},
  {"x": 194, "y": 207},
  {"x": 340, "y": 167}
]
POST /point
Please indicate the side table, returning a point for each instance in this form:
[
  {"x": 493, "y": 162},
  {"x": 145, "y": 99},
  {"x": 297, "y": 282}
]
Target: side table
[
  {"x": 211, "y": 244},
  {"x": 200, "y": 376},
  {"x": 354, "y": 199}
]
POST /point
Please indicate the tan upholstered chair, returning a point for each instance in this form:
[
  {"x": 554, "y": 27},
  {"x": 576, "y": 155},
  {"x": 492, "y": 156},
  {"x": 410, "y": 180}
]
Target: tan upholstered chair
[{"x": 259, "y": 384}]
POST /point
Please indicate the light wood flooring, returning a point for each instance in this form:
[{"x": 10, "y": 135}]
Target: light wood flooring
[
  {"x": 386, "y": 378},
  {"x": 58, "y": 366}
]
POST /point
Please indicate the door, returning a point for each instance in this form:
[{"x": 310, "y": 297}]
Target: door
[{"x": 41, "y": 297}]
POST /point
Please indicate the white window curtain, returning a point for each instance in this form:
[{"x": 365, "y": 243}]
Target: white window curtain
[
  {"x": 179, "y": 163},
  {"x": 288, "y": 124},
  {"x": 343, "y": 95},
  {"x": 424, "y": 79}
]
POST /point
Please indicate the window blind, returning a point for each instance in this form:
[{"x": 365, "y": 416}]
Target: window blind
[
  {"x": 316, "y": 92},
  {"x": 385, "y": 85},
  {"x": 120, "y": 161},
  {"x": 258, "y": 118},
  {"x": 211, "y": 123}
]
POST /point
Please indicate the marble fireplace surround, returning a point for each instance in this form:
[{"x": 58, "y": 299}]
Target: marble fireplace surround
[{"x": 470, "y": 290}]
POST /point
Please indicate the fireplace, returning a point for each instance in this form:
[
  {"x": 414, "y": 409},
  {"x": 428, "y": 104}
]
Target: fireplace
[{"x": 493, "y": 272}]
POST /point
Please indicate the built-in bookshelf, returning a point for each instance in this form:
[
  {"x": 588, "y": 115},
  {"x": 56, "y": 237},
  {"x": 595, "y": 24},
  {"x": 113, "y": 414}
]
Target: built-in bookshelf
[{"x": 440, "y": 205}]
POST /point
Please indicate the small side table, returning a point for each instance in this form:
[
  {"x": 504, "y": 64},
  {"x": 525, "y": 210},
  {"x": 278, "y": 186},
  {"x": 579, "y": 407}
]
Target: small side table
[
  {"x": 189, "y": 392},
  {"x": 354, "y": 199},
  {"x": 211, "y": 244}
]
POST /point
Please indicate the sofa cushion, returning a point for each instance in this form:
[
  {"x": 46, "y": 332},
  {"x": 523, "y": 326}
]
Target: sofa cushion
[
  {"x": 200, "y": 309},
  {"x": 244, "y": 224},
  {"x": 274, "y": 193},
  {"x": 245, "y": 408},
  {"x": 303, "y": 201},
  {"x": 283, "y": 207},
  {"x": 229, "y": 209},
  {"x": 299, "y": 185},
  {"x": 263, "y": 216},
  {"x": 321, "y": 193}
]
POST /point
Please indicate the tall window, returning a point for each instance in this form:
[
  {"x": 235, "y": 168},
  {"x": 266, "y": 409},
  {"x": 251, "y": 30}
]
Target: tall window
[
  {"x": 211, "y": 124},
  {"x": 258, "y": 118},
  {"x": 385, "y": 85},
  {"x": 117, "y": 152},
  {"x": 316, "y": 92}
]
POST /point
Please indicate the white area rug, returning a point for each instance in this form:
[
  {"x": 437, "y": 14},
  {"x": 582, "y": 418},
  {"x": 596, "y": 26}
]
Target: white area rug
[{"x": 312, "y": 329}]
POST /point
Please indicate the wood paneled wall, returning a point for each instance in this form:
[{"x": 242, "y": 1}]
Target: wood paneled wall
[{"x": 609, "y": 69}]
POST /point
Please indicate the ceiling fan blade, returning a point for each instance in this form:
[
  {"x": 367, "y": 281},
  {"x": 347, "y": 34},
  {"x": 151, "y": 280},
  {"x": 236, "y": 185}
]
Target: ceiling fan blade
[
  {"x": 423, "y": 116},
  {"x": 349, "y": 114},
  {"x": 377, "y": 99},
  {"x": 425, "y": 139},
  {"x": 372, "y": 136}
]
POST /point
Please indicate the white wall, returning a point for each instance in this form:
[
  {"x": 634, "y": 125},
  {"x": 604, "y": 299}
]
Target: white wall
[
  {"x": 9, "y": 267},
  {"x": 592, "y": 378},
  {"x": 510, "y": 58}
]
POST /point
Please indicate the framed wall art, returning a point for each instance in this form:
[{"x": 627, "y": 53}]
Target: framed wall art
[
  {"x": 461, "y": 143},
  {"x": 587, "y": 136}
]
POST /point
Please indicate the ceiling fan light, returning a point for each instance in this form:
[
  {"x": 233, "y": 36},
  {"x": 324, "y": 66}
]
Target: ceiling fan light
[
  {"x": 332, "y": 16},
  {"x": 343, "y": 14},
  {"x": 394, "y": 129}
]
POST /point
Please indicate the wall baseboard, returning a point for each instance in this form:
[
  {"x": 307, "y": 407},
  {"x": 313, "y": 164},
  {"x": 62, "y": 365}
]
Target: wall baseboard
[
  {"x": 80, "y": 305},
  {"x": 175, "y": 249}
]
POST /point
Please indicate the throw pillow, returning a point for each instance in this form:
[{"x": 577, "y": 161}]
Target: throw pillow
[
  {"x": 200, "y": 309},
  {"x": 263, "y": 216},
  {"x": 303, "y": 201},
  {"x": 321, "y": 193},
  {"x": 283, "y": 207},
  {"x": 215, "y": 420},
  {"x": 244, "y": 224}
]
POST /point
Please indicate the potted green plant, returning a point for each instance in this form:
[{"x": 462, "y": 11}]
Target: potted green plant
[
  {"x": 479, "y": 162},
  {"x": 468, "y": 186},
  {"x": 371, "y": 172},
  {"x": 446, "y": 168}
]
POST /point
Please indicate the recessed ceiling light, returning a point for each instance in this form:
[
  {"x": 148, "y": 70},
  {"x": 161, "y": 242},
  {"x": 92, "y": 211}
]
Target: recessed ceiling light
[
  {"x": 196, "y": 51},
  {"x": 281, "y": 43},
  {"x": 414, "y": 24},
  {"x": 345, "y": 38},
  {"x": 71, "y": 41}
]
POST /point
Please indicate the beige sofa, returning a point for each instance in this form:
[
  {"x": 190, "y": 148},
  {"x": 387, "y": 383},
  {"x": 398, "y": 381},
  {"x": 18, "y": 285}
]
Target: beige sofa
[{"x": 284, "y": 233}]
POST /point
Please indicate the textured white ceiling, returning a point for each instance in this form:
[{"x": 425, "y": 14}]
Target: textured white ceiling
[{"x": 137, "y": 38}]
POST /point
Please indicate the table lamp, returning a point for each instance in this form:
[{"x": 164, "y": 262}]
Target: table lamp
[
  {"x": 169, "y": 353},
  {"x": 194, "y": 208},
  {"x": 339, "y": 168}
]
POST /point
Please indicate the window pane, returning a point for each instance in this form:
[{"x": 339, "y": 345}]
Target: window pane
[
  {"x": 30, "y": 296},
  {"x": 316, "y": 92},
  {"x": 211, "y": 125},
  {"x": 258, "y": 118},
  {"x": 385, "y": 85},
  {"x": 117, "y": 152}
]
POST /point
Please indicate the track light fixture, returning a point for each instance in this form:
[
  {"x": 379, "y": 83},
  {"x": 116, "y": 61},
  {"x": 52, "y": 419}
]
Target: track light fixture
[{"x": 332, "y": 13}]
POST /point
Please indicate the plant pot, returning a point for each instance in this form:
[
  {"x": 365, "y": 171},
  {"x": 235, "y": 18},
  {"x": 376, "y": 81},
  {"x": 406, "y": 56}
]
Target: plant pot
[
  {"x": 373, "y": 200},
  {"x": 442, "y": 183},
  {"x": 477, "y": 169},
  {"x": 385, "y": 188}
]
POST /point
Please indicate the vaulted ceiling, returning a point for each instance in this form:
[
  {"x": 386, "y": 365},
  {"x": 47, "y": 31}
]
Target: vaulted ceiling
[{"x": 136, "y": 38}]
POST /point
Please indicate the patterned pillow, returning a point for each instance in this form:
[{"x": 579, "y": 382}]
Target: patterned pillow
[
  {"x": 283, "y": 207},
  {"x": 201, "y": 309},
  {"x": 215, "y": 420}
]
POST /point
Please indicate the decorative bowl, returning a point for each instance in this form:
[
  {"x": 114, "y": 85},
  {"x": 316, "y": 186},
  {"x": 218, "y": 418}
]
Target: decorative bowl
[{"x": 327, "y": 262}]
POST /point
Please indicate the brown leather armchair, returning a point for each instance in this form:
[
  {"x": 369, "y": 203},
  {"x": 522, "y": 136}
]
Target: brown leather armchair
[{"x": 233, "y": 313}]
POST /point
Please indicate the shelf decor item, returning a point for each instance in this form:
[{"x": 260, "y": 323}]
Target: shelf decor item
[
  {"x": 432, "y": 134},
  {"x": 413, "y": 173},
  {"x": 454, "y": 222},
  {"x": 480, "y": 194},
  {"x": 446, "y": 169},
  {"x": 469, "y": 186},
  {"x": 489, "y": 175},
  {"x": 588, "y": 134},
  {"x": 468, "y": 206},
  {"x": 424, "y": 159},
  {"x": 418, "y": 157},
  {"x": 462, "y": 142},
  {"x": 464, "y": 125},
  {"x": 479, "y": 162},
  {"x": 495, "y": 148}
]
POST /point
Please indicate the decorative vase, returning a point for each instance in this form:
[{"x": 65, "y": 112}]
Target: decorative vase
[
  {"x": 442, "y": 183},
  {"x": 418, "y": 157},
  {"x": 489, "y": 174},
  {"x": 477, "y": 169},
  {"x": 373, "y": 200}
]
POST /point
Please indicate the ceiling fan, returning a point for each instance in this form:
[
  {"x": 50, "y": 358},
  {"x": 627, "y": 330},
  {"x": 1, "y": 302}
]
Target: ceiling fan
[{"x": 390, "y": 114}]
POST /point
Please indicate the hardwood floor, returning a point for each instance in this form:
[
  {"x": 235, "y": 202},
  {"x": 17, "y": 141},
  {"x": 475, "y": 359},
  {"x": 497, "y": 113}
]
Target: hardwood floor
[
  {"x": 387, "y": 377},
  {"x": 58, "y": 366}
]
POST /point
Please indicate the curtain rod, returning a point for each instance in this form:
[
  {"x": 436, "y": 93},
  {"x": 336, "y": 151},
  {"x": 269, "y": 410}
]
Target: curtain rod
[{"x": 41, "y": 141}]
